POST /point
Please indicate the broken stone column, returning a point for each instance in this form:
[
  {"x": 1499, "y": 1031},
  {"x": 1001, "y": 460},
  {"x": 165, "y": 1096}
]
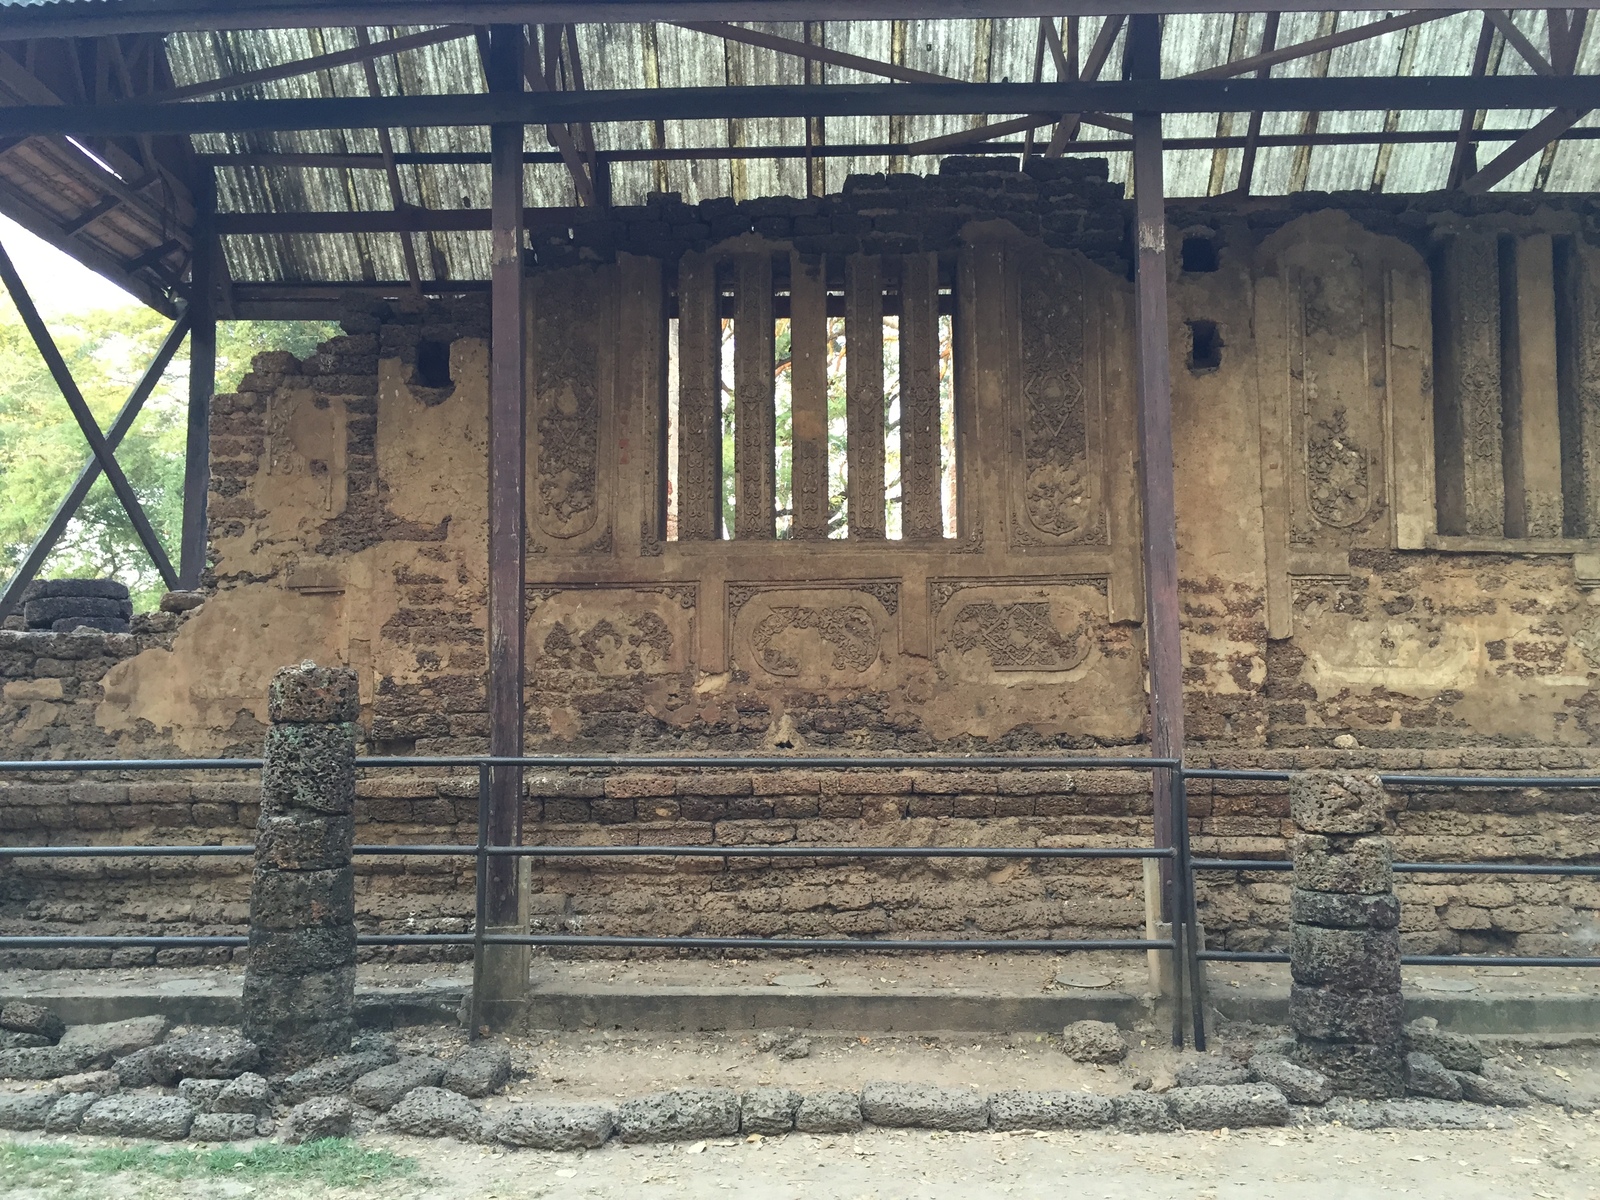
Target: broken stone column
[
  {"x": 299, "y": 985},
  {"x": 1344, "y": 935}
]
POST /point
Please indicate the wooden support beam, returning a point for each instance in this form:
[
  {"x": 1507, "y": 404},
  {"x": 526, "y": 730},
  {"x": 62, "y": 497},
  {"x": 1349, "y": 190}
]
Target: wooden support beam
[
  {"x": 1524, "y": 148},
  {"x": 126, "y": 496},
  {"x": 538, "y": 78},
  {"x": 1338, "y": 94},
  {"x": 202, "y": 313},
  {"x": 1067, "y": 127},
  {"x": 1463, "y": 161},
  {"x": 1163, "y": 629},
  {"x": 397, "y": 195},
  {"x": 364, "y": 52},
  {"x": 1247, "y": 161},
  {"x": 500, "y": 975},
  {"x": 68, "y": 508},
  {"x": 813, "y": 53},
  {"x": 165, "y": 16},
  {"x": 1320, "y": 45},
  {"x": 1515, "y": 37}
]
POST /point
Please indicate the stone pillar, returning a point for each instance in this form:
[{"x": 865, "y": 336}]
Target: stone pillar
[
  {"x": 299, "y": 985},
  {"x": 1344, "y": 948}
]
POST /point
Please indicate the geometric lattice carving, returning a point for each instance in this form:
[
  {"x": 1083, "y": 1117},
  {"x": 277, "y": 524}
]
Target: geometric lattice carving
[
  {"x": 566, "y": 410},
  {"x": 1019, "y": 637},
  {"x": 1059, "y": 501}
]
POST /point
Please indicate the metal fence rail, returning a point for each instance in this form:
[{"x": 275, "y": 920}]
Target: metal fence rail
[
  {"x": 1405, "y": 780},
  {"x": 1180, "y": 864},
  {"x": 482, "y": 852}
]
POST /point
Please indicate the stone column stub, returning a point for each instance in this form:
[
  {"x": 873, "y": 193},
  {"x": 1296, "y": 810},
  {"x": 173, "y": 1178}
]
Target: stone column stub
[
  {"x": 1345, "y": 1004},
  {"x": 299, "y": 985}
]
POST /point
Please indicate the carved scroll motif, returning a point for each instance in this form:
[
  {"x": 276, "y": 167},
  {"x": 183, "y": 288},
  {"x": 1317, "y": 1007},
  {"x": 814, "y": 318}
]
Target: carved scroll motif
[
  {"x": 1060, "y": 494},
  {"x": 848, "y": 629},
  {"x": 566, "y": 411},
  {"x": 1336, "y": 342}
]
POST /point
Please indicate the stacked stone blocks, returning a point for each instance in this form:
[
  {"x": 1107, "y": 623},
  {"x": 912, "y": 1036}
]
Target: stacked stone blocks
[
  {"x": 1344, "y": 935},
  {"x": 299, "y": 985}
]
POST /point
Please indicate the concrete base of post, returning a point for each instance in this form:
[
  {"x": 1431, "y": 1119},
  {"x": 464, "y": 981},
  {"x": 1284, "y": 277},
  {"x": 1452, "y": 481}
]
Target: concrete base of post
[
  {"x": 500, "y": 973},
  {"x": 500, "y": 984}
]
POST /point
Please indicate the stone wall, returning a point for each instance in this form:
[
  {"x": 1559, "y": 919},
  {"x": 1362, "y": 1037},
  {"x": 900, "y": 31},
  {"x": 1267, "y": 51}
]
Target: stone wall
[{"x": 1320, "y": 599}]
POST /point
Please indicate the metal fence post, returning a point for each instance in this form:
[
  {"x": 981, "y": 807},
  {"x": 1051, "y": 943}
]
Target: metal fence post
[{"x": 480, "y": 920}]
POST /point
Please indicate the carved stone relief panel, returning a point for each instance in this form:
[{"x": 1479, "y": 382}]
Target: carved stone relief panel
[
  {"x": 1056, "y": 468},
  {"x": 569, "y": 409},
  {"x": 622, "y": 630},
  {"x": 1338, "y": 389},
  {"x": 1016, "y": 630},
  {"x": 830, "y": 635}
]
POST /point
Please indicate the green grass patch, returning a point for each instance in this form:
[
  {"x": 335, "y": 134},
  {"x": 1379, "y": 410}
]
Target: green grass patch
[{"x": 335, "y": 1162}]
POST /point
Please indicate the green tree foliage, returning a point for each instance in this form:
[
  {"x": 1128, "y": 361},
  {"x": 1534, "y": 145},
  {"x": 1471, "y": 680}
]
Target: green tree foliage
[{"x": 42, "y": 450}]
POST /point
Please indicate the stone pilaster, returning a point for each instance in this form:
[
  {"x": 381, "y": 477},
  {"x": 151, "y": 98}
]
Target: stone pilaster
[
  {"x": 1344, "y": 948},
  {"x": 299, "y": 985}
]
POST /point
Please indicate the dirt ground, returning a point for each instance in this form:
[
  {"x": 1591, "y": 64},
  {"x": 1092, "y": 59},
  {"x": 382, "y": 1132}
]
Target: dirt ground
[
  {"x": 1552, "y": 1156},
  {"x": 1548, "y": 1156}
]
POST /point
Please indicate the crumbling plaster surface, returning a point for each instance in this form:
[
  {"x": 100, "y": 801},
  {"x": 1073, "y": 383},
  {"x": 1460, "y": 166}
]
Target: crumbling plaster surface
[{"x": 1403, "y": 646}]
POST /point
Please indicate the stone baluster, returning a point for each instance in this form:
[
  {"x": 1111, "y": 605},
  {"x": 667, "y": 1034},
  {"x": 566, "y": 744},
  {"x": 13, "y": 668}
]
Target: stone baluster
[
  {"x": 299, "y": 985},
  {"x": 1344, "y": 950}
]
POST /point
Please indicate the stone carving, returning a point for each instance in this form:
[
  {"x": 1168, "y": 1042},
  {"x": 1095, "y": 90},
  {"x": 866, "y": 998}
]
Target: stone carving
[
  {"x": 1019, "y": 637},
  {"x": 611, "y": 631},
  {"x": 995, "y": 630},
  {"x": 817, "y": 636},
  {"x": 1059, "y": 496},
  {"x": 1336, "y": 469},
  {"x": 1335, "y": 338},
  {"x": 566, "y": 412},
  {"x": 639, "y": 644},
  {"x": 849, "y": 629}
]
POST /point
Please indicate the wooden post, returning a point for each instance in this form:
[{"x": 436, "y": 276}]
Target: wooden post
[
  {"x": 1163, "y": 646},
  {"x": 501, "y": 974},
  {"x": 202, "y": 385}
]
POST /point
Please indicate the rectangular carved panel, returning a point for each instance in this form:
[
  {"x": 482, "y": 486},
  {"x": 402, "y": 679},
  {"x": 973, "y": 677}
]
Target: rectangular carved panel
[
  {"x": 642, "y": 397},
  {"x": 699, "y": 401},
  {"x": 843, "y": 634},
  {"x": 1056, "y": 467},
  {"x": 1532, "y": 421},
  {"x": 1467, "y": 402},
  {"x": 1002, "y": 630},
  {"x": 808, "y": 387},
  {"x": 921, "y": 515},
  {"x": 1337, "y": 388},
  {"x": 755, "y": 435},
  {"x": 863, "y": 331},
  {"x": 572, "y": 343},
  {"x": 612, "y": 630}
]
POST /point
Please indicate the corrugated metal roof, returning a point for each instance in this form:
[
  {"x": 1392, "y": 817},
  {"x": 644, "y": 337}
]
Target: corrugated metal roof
[{"x": 637, "y": 56}]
